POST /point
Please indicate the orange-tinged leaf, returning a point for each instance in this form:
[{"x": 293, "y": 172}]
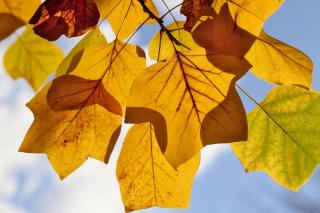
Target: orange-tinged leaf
[
  {"x": 84, "y": 116},
  {"x": 183, "y": 90},
  {"x": 37, "y": 58},
  {"x": 279, "y": 63},
  {"x": 146, "y": 178},
  {"x": 69, "y": 137},
  {"x": 125, "y": 16},
  {"x": 69, "y": 17}
]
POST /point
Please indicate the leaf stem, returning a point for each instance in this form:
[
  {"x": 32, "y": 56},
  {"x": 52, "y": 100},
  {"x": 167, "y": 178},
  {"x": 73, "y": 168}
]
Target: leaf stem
[{"x": 160, "y": 22}]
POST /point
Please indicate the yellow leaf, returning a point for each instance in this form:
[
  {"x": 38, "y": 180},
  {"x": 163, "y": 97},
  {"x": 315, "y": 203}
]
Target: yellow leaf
[
  {"x": 125, "y": 16},
  {"x": 94, "y": 37},
  {"x": 69, "y": 137},
  {"x": 250, "y": 15},
  {"x": 161, "y": 46},
  {"x": 146, "y": 178},
  {"x": 183, "y": 90},
  {"x": 81, "y": 116},
  {"x": 32, "y": 58},
  {"x": 284, "y": 136},
  {"x": 279, "y": 63}
]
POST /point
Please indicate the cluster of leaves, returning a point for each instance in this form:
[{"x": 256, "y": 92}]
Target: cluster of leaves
[{"x": 183, "y": 102}]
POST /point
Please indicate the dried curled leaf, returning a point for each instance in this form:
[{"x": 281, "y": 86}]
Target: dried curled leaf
[
  {"x": 37, "y": 58},
  {"x": 146, "y": 178},
  {"x": 284, "y": 136},
  {"x": 65, "y": 17},
  {"x": 84, "y": 116},
  {"x": 279, "y": 63},
  {"x": 193, "y": 10}
]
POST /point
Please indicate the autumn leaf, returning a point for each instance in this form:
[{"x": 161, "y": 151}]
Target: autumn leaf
[
  {"x": 183, "y": 90},
  {"x": 113, "y": 65},
  {"x": 249, "y": 15},
  {"x": 69, "y": 137},
  {"x": 37, "y": 58},
  {"x": 14, "y": 14},
  {"x": 69, "y": 17},
  {"x": 69, "y": 63},
  {"x": 80, "y": 116},
  {"x": 146, "y": 178},
  {"x": 125, "y": 16},
  {"x": 279, "y": 63},
  {"x": 283, "y": 136}
]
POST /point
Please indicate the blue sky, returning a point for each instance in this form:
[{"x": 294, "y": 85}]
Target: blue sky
[{"x": 28, "y": 184}]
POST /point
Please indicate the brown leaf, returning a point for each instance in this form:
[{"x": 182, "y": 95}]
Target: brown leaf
[{"x": 69, "y": 17}]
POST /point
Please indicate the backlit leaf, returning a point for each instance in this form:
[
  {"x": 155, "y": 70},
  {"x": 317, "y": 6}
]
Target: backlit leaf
[
  {"x": 69, "y": 17},
  {"x": 81, "y": 116},
  {"x": 146, "y": 178},
  {"x": 279, "y": 63},
  {"x": 32, "y": 58},
  {"x": 69, "y": 137},
  {"x": 284, "y": 136},
  {"x": 183, "y": 90}
]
